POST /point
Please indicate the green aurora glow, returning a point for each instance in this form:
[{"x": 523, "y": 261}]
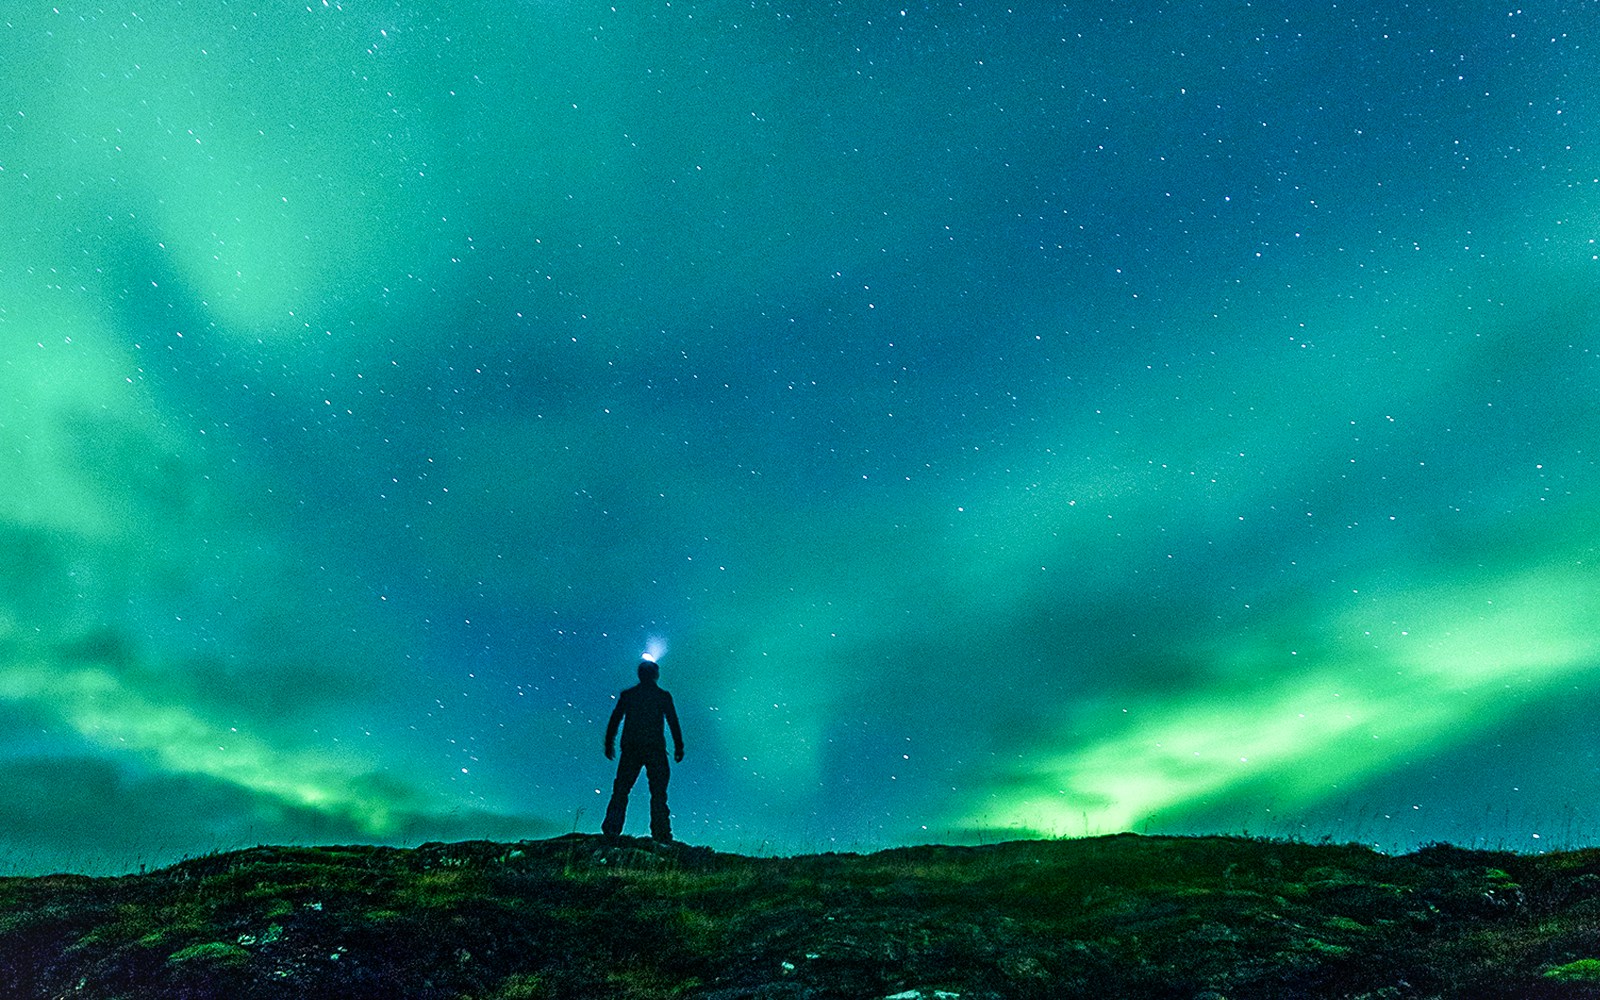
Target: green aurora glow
[{"x": 1012, "y": 422}]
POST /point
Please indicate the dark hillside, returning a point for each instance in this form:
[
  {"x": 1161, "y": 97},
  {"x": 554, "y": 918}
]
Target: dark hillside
[{"x": 578, "y": 916}]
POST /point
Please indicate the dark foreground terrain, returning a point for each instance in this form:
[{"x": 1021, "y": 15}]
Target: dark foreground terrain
[{"x": 578, "y": 916}]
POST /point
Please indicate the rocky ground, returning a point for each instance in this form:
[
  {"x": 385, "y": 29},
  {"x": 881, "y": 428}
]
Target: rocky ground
[{"x": 580, "y": 916}]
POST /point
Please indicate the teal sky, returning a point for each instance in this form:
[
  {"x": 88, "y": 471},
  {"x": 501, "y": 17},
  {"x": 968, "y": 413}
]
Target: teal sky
[{"x": 1032, "y": 421}]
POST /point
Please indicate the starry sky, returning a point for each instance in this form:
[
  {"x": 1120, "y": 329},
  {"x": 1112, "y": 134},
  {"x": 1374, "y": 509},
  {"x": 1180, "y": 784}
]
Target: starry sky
[{"x": 1032, "y": 421}]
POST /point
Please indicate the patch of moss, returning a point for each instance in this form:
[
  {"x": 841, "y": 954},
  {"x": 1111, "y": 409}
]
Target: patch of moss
[
  {"x": 442, "y": 888},
  {"x": 219, "y": 953},
  {"x": 1345, "y": 924},
  {"x": 521, "y": 986},
  {"x": 644, "y": 984},
  {"x": 146, "y": 925},
  {"x": 1584, "y": 970}
]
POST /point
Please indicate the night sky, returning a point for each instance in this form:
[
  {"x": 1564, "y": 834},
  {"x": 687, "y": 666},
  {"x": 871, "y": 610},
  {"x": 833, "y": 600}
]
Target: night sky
[{"x": 1031, "y": 421}]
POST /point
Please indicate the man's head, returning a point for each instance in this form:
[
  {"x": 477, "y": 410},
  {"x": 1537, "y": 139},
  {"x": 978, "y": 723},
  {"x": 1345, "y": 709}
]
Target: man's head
[{"x": 648, "y": 671}]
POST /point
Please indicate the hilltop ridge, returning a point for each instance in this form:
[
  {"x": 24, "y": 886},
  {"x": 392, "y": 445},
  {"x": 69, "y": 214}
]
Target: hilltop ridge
[{"x": 585, "y": 916}]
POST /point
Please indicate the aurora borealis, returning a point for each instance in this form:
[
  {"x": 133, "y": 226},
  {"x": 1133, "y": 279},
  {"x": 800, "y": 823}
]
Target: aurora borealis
[{"x": 1012, "y": 421}]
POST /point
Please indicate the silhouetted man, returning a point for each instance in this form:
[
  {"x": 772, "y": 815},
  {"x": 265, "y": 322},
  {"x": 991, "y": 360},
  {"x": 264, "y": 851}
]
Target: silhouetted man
[{"x": 640, "y": 711}]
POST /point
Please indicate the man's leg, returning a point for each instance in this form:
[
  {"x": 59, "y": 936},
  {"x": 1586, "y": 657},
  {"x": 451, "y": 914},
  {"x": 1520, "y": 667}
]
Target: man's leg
[
  {"x": 657, "y": 773},
  {"x": 617, "y": 810}
]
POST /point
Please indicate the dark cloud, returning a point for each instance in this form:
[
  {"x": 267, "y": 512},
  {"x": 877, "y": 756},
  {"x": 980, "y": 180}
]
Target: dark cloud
[{"x": 93, "y": 815}]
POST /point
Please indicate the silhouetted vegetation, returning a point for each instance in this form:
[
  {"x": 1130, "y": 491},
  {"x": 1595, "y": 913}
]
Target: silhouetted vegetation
[{"x": 579, "y": 916}]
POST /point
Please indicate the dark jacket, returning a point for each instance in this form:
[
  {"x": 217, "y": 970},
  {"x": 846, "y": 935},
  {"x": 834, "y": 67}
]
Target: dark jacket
[{"x": 644, "y": 706}]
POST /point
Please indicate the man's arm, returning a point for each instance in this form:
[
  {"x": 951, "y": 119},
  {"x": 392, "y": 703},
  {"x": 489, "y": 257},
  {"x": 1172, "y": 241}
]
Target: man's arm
[
  {"x": 677, "y": 734},
  {"x": 611, "y": 727}
]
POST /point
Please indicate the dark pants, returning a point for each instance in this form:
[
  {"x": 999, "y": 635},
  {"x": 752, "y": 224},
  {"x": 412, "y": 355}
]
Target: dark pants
[{"x": 653, "y": 761}]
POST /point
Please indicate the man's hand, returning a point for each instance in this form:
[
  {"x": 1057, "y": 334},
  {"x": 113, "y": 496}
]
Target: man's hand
[
  {"x": 610, "y": 753},
  {"x": 677, "y": 755}
]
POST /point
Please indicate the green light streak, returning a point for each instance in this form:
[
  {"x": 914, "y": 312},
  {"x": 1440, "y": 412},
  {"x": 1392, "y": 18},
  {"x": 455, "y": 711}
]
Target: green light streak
[
  {"x": 111, "y": 714},
  {"x": 1380, "y": 693}
]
